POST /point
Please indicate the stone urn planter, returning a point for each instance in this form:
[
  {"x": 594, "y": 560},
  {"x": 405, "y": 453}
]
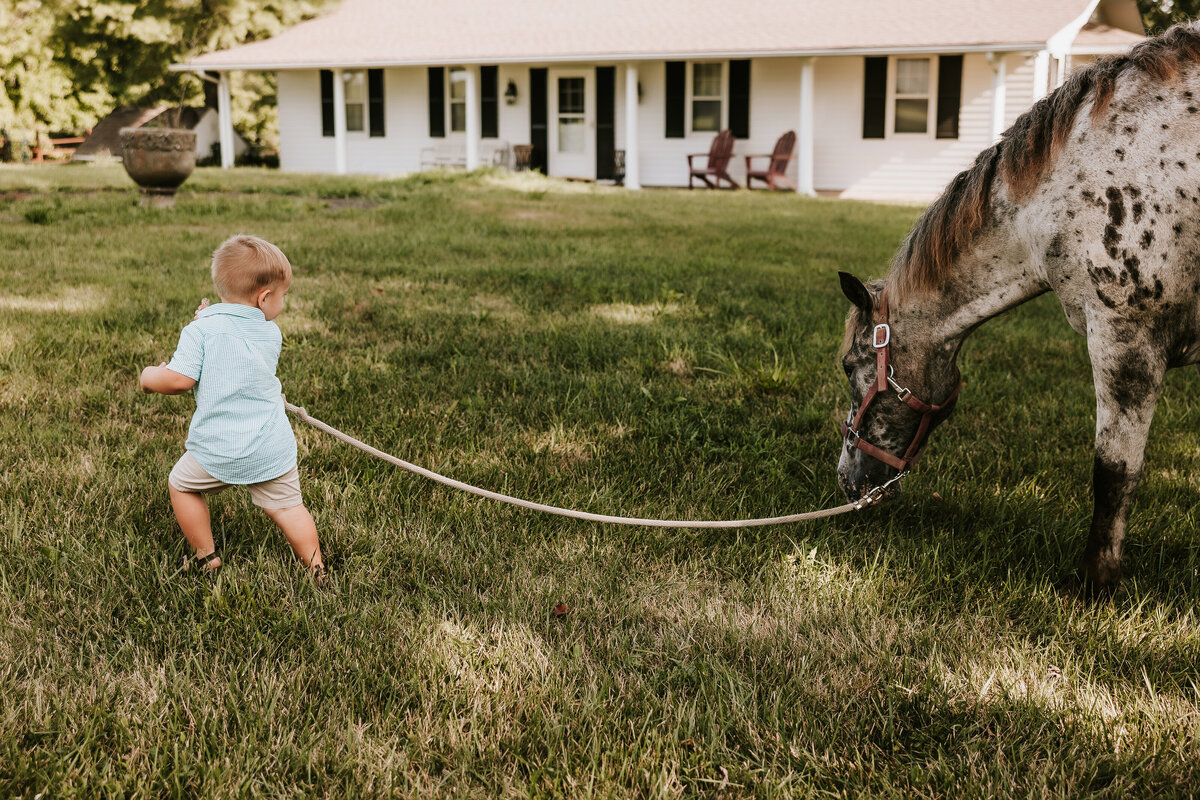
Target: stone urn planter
[{"x": 158, "y": 160}]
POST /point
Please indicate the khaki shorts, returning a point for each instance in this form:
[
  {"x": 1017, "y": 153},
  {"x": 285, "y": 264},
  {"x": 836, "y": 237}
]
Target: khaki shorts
[{"x": 277, "y": 493}]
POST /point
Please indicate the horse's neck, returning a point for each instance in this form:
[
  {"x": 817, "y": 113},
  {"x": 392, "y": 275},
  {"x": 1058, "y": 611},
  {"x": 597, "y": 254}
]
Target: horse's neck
[{"x": 994, "y": 276}]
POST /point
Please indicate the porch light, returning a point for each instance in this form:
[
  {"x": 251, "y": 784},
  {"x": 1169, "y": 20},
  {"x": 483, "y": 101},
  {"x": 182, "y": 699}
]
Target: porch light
[{"x": 510, "y": 93}]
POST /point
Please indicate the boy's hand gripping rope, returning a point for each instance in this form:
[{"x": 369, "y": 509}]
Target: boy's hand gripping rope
[{"x": 872, "y": 497}]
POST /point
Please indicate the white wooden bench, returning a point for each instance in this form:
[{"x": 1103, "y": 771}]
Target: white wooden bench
[{"x": 453, "y": 153}]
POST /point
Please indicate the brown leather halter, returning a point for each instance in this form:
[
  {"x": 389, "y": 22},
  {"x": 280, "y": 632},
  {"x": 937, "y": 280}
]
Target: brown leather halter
[{"x": 881, "y": 340}]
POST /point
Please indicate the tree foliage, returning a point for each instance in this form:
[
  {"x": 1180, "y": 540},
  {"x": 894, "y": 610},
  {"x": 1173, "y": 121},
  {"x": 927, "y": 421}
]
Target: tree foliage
[
  {"x": 1158, "y": 15},
  {"x": 66, "y": 63}
]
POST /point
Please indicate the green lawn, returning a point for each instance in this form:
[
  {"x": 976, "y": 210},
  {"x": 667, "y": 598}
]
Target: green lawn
[{"x": 659, "y": 354}]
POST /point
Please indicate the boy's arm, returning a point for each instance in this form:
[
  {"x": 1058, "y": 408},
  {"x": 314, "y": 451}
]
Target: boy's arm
[
  {"x": 183, "y": 371},
  {"x": 165, "y": 381}
]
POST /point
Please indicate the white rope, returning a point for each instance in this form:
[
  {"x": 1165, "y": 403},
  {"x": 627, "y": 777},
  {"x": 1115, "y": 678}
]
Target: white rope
[{"x": 566, "y": 512}]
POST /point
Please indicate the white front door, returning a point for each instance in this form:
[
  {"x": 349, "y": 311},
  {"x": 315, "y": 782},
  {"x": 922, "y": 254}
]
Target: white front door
[{"x": 572, "y": 126}]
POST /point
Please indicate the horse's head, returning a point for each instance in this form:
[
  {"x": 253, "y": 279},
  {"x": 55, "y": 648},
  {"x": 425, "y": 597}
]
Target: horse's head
[{"x": 895, "y": 377}]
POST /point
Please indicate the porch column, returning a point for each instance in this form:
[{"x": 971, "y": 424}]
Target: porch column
[
  {"x": 474, "y": 129},
  {"x": 804, "y": 131},
  {"x": 633, "y": 178},
  {"x": 1041, "y": 74},
  {"x": 1064, "y": 68},
  {"x": 339, "y": 123},
  {"x": 225, "y": 120},
  {"x": 999, "y": 94}
]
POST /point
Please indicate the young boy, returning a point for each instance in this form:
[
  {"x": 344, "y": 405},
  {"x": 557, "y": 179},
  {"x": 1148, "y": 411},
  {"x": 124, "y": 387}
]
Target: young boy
[{"x": 240, "y": 433}]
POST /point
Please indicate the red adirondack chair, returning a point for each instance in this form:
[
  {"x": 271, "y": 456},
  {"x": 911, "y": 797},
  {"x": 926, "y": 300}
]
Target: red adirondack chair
[
  {"x": 716, "y": 165},
  {"x": 774, "y": 175}
]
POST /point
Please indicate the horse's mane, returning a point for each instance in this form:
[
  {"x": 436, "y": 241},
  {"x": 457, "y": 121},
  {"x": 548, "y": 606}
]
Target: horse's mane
[{"x": 1022, "y": 157}]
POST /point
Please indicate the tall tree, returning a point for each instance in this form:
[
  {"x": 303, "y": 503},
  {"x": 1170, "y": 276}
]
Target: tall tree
[
  {"x": 67, "y": 62},
  {"x": 1158, "y": 15},
  {"x": 34, "y": 82}
]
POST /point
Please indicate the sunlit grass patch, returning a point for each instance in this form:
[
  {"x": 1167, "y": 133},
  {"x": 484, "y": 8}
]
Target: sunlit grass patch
[
  {"x": 68, "y": 301},
  {"x": 627, "y": 313}
]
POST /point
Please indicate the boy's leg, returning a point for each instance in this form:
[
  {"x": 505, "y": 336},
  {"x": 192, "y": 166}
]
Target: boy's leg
[
  {"x": 301, "y": 532},
  {"x": 192, "y": 512}
]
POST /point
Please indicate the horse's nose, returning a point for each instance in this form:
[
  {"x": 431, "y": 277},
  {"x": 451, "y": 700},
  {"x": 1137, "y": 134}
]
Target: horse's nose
[{"x": 848, "y": 485}]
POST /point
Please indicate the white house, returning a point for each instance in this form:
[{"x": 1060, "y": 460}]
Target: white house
[{"x": 888, "y": 97}]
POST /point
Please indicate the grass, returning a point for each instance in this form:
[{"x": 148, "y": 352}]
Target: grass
[{"x": 662, "y": 354}]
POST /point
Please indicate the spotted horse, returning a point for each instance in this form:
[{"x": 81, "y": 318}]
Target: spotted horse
[{"x": 1093, "y": 194}]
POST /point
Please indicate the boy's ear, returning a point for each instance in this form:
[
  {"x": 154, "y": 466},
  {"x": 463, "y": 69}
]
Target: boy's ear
[{"x": 261, "y": 295}]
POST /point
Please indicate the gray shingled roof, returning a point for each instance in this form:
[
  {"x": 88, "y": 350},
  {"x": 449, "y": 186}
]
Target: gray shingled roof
[{"x": 395, "y": 32}]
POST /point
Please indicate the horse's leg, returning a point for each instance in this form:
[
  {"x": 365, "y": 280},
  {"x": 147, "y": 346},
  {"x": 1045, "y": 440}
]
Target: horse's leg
[{"x": 1128, "y": 376}]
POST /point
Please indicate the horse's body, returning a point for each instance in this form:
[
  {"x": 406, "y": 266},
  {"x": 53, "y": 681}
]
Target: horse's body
[{"x": 1094, "y": 195}]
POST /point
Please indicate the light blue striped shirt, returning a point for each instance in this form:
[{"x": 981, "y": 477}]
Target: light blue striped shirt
[{"x": 240, "y": 432}]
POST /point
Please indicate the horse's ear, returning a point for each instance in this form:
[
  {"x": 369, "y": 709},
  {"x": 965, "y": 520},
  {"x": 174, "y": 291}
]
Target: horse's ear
[{"x": 856, "y": 292}]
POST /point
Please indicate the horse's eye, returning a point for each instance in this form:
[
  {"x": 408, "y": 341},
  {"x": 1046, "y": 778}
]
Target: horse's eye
[{"x": 849, "y": 370}]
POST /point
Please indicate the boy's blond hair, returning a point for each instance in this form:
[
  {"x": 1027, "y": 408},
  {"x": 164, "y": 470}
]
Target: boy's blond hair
[{"x": 244, "y": 264}]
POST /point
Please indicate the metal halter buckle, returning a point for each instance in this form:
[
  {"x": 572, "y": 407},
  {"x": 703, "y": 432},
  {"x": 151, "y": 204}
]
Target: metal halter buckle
[
  {"x": 887, "y": 335},
  {"x": 851, "y": 437}
]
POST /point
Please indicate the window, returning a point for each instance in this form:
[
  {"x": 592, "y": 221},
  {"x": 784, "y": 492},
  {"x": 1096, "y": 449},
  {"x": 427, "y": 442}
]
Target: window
[
  {"x": 707, "y": 97},
  {"x": 458, "y": 100},
  {"x": 363, "y": 97},
  {"x": 355, "y": 83},
  {"x": 912, "y": 96},
  {"x": 901, "y": 92}
]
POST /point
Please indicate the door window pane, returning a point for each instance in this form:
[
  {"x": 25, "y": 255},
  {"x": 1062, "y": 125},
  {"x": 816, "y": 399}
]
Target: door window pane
[
  {"x": 571, "y": 135},
  {"x": 572, "y": 106},
  {"x": 570, "y": 96}
]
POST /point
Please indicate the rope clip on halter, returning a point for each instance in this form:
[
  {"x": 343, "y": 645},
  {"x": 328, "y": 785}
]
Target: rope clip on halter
[
  {"x": 900, "y": 391},
  {"x": 877, "y": 494}
]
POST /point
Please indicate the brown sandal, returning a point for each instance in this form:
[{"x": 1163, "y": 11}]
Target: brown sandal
[{"x": 202, "y": 562}]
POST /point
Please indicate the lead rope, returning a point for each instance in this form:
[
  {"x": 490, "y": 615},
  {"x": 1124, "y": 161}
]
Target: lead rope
[{"x": 870, "y": 498}]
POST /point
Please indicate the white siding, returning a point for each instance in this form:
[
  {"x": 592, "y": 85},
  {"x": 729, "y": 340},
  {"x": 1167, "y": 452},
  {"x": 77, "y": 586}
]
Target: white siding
[
  {"x": 898, "y": 166},
  {"x": 1020, "y": 69},
  {"x": 905, "y": 166},
  {"x": 302, "y": 148},
  {"x": 514, "y": 119},
  {"x": 405, "y": 106}
]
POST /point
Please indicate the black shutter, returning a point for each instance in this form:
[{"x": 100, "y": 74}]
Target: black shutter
[
  {"x": 949, "y": 96},
  {"x": 874, "y": 98},
  {"x": 437, "y": 102},
  {"x": 739, "y": 99},
  {"x": 537, "y": 119},
  {"x": 489, "y": 102},
  {"x": 326, "y": 102},
  {"x": 606, "y": 119},
  {"x": 375, "y": 101},
  {"x": 676, "y": 98}
]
